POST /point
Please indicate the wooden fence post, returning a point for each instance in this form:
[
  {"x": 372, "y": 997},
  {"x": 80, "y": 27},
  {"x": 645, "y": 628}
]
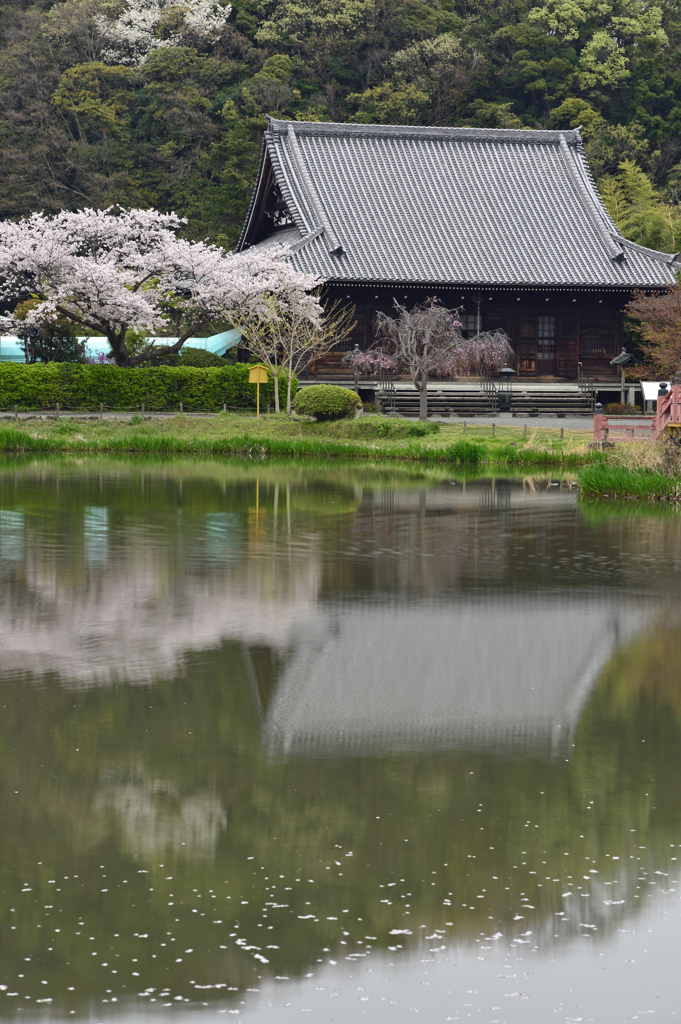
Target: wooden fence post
[
  {"x": 101, "y": 411},
  {"x": 57, "y": 410},
  {"x": 16, "y": 416}
]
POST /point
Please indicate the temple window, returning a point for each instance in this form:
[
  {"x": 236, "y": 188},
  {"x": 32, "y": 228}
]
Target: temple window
[
  {"x": 591, "y": 343},
  {"x": 546, "y": 338}
]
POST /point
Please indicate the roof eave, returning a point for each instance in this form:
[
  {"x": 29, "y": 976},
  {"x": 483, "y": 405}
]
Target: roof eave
[
  {"x": 536, "y": 286},
  {"x": 251, "y": 208}
]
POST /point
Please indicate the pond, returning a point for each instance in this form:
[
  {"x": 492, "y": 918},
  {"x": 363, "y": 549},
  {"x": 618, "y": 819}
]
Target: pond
[{"x": 335, "y": 743}]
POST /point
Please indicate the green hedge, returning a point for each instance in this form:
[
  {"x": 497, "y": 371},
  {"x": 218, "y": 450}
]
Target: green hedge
[{"x": 78, "y": 386}]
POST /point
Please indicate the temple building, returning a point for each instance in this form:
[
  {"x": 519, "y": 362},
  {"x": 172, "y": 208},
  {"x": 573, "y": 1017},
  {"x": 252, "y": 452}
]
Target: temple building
[{"x": 504, "y": 224}]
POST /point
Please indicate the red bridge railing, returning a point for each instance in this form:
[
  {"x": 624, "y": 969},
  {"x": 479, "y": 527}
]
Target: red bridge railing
[
  {"x": 624, "y": 428},
  {"x": 641, "y": 428},
  {"x": 669, "y": 408}
]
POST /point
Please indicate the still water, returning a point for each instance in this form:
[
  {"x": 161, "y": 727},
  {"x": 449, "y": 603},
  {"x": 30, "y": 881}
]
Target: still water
[{"x": 288, "y": 743}]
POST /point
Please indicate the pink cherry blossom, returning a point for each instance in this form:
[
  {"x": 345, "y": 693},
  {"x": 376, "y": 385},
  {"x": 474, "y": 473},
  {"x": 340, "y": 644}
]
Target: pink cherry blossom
[
  {"x": 113, "y": 271},
  {"x": 426, "y": 341}
]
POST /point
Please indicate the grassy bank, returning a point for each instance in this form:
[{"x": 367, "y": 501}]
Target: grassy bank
[
  {"x": 642, "y": 471},
  {"x": 618, "y": 483},
  {"x": 367, "y": 438}
]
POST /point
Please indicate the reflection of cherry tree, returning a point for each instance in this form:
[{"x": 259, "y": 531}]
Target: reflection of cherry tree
[
  {"x": 426, "y": 341},
  {"x": 156, "y": 817},
  {"x": 194, "y": 590}
]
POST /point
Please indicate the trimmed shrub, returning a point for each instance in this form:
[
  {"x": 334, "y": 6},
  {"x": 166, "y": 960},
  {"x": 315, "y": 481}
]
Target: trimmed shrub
[
  {"x": 74, "y": 386},
  {"x": 621, "y": 409},
  {"x": 326, "y": 402}
]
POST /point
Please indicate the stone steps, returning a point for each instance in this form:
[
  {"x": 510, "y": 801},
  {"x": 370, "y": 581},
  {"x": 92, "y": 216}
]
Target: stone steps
[
  {"x": 474, "y": 402},
  {"x": 552, "y": 402},
  {"x": 455, "y": 402}
]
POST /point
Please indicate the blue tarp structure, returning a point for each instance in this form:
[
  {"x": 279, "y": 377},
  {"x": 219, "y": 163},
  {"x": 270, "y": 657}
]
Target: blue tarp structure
[
  {"x": 218, "y": 344},
  {"x": 12, "y": 352}
]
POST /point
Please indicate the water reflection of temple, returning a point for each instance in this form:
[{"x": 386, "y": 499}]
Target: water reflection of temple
[
  {"x": 439, "y": 623},
  {"x": 462, "y": 614},
  {"x": 485, "y": 674}
]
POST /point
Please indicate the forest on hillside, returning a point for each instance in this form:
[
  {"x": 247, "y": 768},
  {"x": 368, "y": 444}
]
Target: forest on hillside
[{"x": 162, "y": 103}]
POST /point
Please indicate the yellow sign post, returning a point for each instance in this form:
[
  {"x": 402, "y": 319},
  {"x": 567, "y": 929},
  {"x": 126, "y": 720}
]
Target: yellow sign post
[{"x": 258, "y": 375}]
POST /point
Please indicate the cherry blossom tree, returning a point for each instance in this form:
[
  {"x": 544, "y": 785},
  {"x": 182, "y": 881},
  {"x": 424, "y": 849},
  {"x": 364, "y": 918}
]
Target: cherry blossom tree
[
  {"x": 284, "y": 323},
  {"x": 270, "y": 304},
  {"x": 657, "y": 318},
  {"x": 148, "y": 25},
  {"x": 427, "y": 341},
  {"x": 307, "y": 341},
  {"x": 114, "y": 271}
]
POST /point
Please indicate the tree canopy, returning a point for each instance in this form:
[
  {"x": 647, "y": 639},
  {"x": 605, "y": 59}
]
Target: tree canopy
[
  {"x": 163, "y": 105},
  {"x": 119, "y": 272}
]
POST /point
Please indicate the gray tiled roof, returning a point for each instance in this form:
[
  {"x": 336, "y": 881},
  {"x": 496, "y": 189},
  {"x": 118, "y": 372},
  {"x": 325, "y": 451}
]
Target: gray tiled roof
[{"x": 417, "y": 205}]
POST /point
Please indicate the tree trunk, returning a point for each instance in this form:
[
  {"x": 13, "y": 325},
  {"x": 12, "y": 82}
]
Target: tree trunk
[
  {"x": 423, "y": 396},
  {"x": 288, "y": 384},
  {"x": 275, "y": 374},
  {"x": 118, "y": 347}
]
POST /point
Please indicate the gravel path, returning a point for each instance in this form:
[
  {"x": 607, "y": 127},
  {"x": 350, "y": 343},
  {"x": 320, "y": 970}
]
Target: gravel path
[{"x": 506, "y": 419}]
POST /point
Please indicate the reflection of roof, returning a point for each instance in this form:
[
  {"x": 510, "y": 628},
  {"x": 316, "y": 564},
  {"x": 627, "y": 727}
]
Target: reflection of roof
[
  {"x": 503, "y": 674},
  {"x": 389, "y": 203}
]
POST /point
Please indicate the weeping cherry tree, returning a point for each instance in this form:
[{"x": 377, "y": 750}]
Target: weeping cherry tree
[{"x": 426, "y": 341}]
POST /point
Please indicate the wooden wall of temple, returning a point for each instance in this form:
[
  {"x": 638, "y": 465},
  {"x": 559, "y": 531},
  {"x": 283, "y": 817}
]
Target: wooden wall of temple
[{"x": 550, "y": 331}]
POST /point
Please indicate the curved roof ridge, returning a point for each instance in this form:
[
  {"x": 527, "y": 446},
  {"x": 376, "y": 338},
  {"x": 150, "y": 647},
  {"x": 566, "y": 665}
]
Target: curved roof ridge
[
  {"x": 312, "y": 195},
  {"x": 590, "y": 200},
  {"x": 303, "y": 217},
  {"x": 662, "y": 257},
  {"x": 582, "y": 165},
  {"x": 424, "y": 131}
]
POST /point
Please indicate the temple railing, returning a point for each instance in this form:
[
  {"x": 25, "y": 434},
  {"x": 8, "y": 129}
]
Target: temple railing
[
  {"x": 488, "y": 387},
  {"x": 640, "y": 428},
  {"x": 385, "y": 392}
]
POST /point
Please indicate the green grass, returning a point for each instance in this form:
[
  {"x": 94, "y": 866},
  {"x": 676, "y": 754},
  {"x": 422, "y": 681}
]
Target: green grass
[
  {"x": 371, "y": 437},
  {"x": 619, "y": 483}
]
